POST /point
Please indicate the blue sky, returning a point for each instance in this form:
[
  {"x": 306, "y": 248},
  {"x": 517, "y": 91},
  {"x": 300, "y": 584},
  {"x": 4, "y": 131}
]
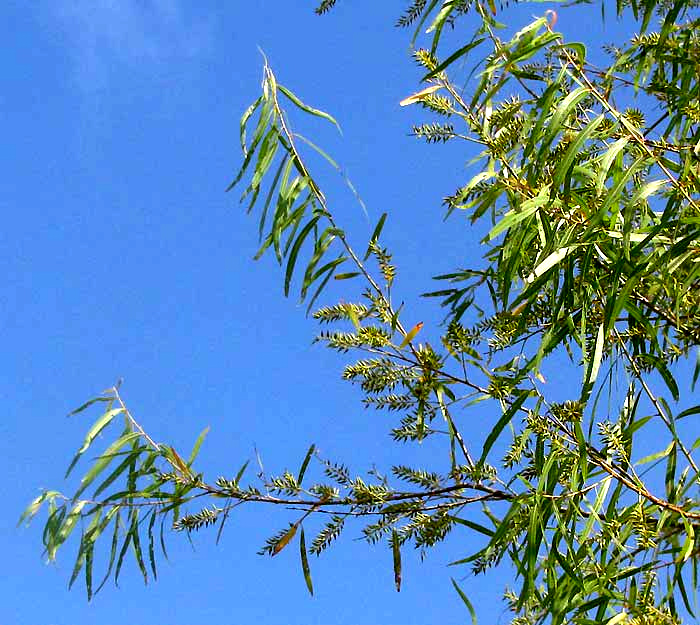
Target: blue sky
[{"x": 124, "y": 258}]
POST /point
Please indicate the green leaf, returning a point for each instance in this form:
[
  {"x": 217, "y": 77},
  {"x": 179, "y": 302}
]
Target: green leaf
[
  {"x": 31, "y": 510},
  {"x": 266, "y": 154},
  {"x": 688, "y": 412},
  {"x": 308, "y": 109},
  {"x": 136, "y": 544},
  {"x": 321, "y": 152},
  {"x": 79, "y": 562},
  {"x": 320, "y": 248},
  {"x": 347, "y": 276},
  {"x": 121, "y": 468},
  {"x": 89, "y": 403},
  {"x": 441, "y": 17},
  {"x": 65, "y": 529},
  {"x": 104, "y": 460},
  {"x": 93, "y": 432},
  {"x": 562, "y": 112},
  {"x": 265, "y": 116},
  {"x": 328, "y": 270},
  {"x": 396, "y": 555},
  {"x": 472, "y": 525},
  {"x": 664, "y": 372},
  {"x": 574, "y": 150},
  {"x": 465, "y": 600},
  {"x": 197, "y": 445},
  {"x": 151, "y": 544},
  {"x": 89, "y": 558},
  {"x": 424, "y": 16},
  {"x": 375, "y": 235},
  {"x": 113, "y": 549},
  {"x": 292, "y": 258},
  {"x": 305, "y": 464},
  {"x": 525, "y": 210},
  {"x": 656, "y": 456},
  {"x": 244, "y": 121},
  {"x": 452, "y": 58},
  {"x": 615, "y": 192},
  {"x": 240, "y": 473},
  {"x": 501, "y": 424},
  {"x": 122, "y": 552},
  {"x": 306, "y": 569}
]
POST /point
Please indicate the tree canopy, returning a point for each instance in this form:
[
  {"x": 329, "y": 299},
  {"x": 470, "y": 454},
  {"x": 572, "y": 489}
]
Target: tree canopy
[{"x": 587, "y": 192}]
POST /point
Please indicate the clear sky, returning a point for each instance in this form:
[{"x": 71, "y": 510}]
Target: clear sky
[{"x": 123, "y": 257}]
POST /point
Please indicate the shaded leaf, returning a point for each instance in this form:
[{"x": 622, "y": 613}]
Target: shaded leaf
[{"x": 305, "y": 563}]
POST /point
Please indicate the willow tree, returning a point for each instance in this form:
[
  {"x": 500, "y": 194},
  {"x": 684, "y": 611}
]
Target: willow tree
[{"x": 587, "y": 192}]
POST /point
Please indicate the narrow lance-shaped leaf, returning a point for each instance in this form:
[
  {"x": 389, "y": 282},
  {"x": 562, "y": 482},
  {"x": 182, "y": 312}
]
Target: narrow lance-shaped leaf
[
  {"x": 65, "y": 529},
  {"x": 607, "y": 161},
  {"x": 79, "y": 562},
  {"x": 122, "y": 553},
  {"x": 308, "y": 109},
  {"x": 151, "y": 544},
  {"x": 574, "y": 150},
  {"x": 411, "y": 334},
  {"x": 113, "y": 548},
  {"x": 305, "y": 563},
  {"x": 419, "y": 95},
  {"x": 320, "y": 248},
  {"x": 116, "y": 473},
  {"x": 89, "y": 403},
  {"x": 177, "y": 462},
  {"x": 592, "y": 373},
  {"x": 525, "y": 210},
  {"x": 292, "y": 259},
  {"x": 197, "y": 445},
  {"x": 556, "y": 122},
  {"x": 104, "y": 460},
  {"x": 244, "y": 121},
  {"x": 268, "y": 149},
  {"x": 305, "y": 464},
  {"x": 89, "y": 559},
  {"x": 136, "y": 544},
  {"x": 375, "y": 235},
  {"x": 93, "y": 432},
  {"x": 284, "y": 541},
  {"x": 396, "y": 555},
  {"x": 501, "y": 424},
  {"x": 327, "y": 271},
  {"x": 466, "y": 601},
  {"x": 452, "y": 58},
  {"x": 36, "y": 504},
  {"x": 266, "y": 116},
  {"x": 550, "y": 261},
  {"x": 347, "y": 276}
]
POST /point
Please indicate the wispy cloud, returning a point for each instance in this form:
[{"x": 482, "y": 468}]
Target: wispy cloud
[{"x": 104, "y": 34}]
